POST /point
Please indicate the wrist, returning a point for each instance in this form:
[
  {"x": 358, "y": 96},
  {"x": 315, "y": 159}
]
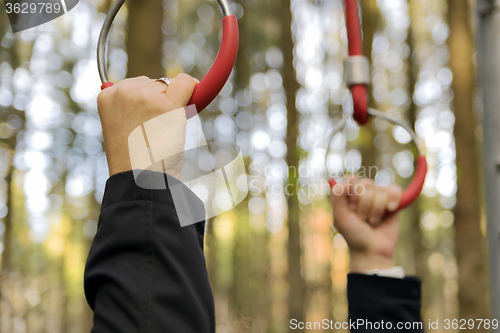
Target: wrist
[
  {"x": 394, "y": 272},
  {"x": 361, "y": 262}
]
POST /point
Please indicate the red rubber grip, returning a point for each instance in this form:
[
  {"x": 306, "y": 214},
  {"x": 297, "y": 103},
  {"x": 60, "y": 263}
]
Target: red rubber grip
[
  {"x": 360, "y": 103},
  {"x": 211, "y": 85},
  {"x": 106, "y": 85},
  {"x": 413, "y": 190},
  {"x": 355, "y": 48},
  {"x": 353, "y": 28}
]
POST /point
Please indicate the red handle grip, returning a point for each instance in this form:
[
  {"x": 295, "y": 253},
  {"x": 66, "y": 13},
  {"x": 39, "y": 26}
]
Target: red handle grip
[
  {"x": 355, "y": 48},
  {"x": 211, "y": 85},
  {"x": 413, "y": 190}
]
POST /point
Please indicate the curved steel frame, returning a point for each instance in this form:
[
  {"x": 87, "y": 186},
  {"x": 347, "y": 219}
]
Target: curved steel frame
[
  {"x": 103, "y": 37},
  {"x": 376, "y": 113},
  {"x": 415, "y": 187}
]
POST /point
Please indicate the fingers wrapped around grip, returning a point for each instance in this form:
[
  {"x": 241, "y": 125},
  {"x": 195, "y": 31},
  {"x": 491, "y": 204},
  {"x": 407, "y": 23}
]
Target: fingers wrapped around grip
[
  {"x": 412, "y": 191},
  {"x": 370, "y": 202},
  {"x": 146, "y": 94}
]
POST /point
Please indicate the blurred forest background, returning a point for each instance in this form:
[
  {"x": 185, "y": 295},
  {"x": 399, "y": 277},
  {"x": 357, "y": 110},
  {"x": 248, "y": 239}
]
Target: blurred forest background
[{"x": 275, "y": 256}]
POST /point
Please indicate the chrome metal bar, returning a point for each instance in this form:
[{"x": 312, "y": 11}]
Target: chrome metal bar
[
  {"x": 414, "y": 137},
  {"x": 103, "y": 37},
  {"x": 374, "y": 113},
  {"x": 489, "y": 75},
  {"x": 224, "y": 5},
  {"x": 337, "y": 128}
]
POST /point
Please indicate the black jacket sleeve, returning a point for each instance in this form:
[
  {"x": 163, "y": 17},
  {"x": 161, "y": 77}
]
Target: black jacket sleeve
[
  {"x": 145, "y": 273},
  {"x": 391, "y": 302}
]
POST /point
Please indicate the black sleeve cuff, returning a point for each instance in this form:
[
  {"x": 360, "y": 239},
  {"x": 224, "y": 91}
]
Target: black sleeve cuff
[
  {"x": 376, "y": 298},
  {"x": 122, "y": 187}
]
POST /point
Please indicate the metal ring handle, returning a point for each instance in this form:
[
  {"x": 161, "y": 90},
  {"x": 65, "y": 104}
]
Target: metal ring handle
[
  {"x": 213, "y": 82},
  {"x": 413, "y": 190}
]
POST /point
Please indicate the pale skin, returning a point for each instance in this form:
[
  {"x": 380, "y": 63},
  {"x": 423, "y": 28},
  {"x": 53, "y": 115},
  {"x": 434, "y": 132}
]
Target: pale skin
[
  {"x": 371, "y": 236},
  {"x": 132, "y": 102},
  {"x": 358, "y": 213}
]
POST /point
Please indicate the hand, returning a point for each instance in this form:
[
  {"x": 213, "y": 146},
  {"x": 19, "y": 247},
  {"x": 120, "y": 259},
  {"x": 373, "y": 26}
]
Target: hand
[
  {"x": 358, "y": 213},
  {"x": 132, "y": 102}
]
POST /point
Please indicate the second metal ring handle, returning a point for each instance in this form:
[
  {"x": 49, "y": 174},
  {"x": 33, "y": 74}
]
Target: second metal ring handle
[{"x": 413, "y": 190}]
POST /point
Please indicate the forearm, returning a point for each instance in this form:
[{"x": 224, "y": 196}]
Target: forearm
[
  {"x": 146, "y": 273},
  {"x": 363, "y": 262}
]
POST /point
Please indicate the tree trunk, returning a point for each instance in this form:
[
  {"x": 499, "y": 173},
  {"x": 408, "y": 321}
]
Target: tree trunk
[
  {"x": 6, "y": 255},
  {"x": 5, "y": 302},
  {"x": 370, "y": 18},
  {"x": 469, "y": 241},
  {"x": 145, "y": 38},
  {"x": 297, "y": 289},
  {"x": 242, "y": 290},
  {"x": 412, "y": 213}
]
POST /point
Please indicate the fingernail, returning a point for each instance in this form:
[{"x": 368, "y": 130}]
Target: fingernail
[
  {"x": 332, "y": 182},
  {"x": 393, "y": 204}
]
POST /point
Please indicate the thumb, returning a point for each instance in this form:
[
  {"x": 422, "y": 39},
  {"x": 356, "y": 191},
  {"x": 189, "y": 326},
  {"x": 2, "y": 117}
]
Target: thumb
[{"x": 180, "y": 90}]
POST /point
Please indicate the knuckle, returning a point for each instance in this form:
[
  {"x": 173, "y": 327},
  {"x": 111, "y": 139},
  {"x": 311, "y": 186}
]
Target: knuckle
[
  {"x": 125, "y": 82},
  {"x": 350, "y": 179},
  {"x": 382, "y": 191},
  {"x": 186, "y": 79},
  {"x": 367, "y": 183},
  {"x": 183, "y": 76},
  {"x": 394, "y": 191}
]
